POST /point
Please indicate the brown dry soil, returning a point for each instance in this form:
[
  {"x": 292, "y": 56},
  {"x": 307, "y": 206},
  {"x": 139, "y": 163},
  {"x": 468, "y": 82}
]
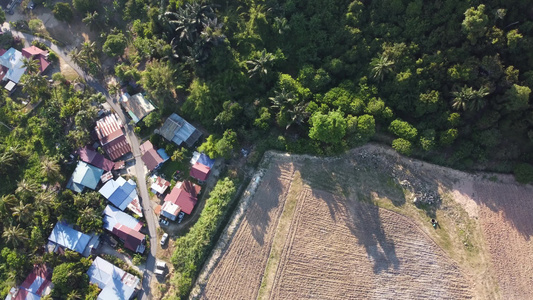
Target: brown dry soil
[{"x": 347, "y": 227}]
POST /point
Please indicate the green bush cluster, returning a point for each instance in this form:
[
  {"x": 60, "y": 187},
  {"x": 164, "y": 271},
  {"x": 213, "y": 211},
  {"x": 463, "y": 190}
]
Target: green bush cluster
[{"x": 193, "y": 248}]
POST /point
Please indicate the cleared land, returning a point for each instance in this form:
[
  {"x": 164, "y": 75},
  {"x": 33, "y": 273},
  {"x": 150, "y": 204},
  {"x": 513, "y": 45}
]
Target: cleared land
[{"x": 346, "y": 227}]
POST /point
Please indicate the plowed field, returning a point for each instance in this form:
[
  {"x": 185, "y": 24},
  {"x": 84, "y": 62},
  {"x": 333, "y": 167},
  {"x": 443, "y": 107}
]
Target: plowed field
[
  {"x": 347, "y": 228},
  {"x": 361, "y": 252}
]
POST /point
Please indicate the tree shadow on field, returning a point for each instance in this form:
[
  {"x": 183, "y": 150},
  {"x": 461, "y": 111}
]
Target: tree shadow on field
[
  {"x": 364, "y": 222},
  {"x": 361, "y": 217},
  {"x": 511, "y": 200},
  {"x": 269, "y": 190}
]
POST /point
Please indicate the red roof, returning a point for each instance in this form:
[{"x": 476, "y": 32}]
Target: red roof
[
  {"x": 2, "y": 51},
  {"x": 146, "y": 146},
  {"x": 183, "y": 199},
  {"x": 108, "y": 128},
  {"x": 117, "y": 147},
  {"x": 199, "y": 171},
  {"x": 96, "y": 159},
  {"x": 45, "y": 275},
  {"x": 151, "y": 159},
  {"x": 32, "y": 51},
  {"x": 191, "y": 188},
  {"x": 132, "y": 239},
  {"x": 43, "y": 63}
]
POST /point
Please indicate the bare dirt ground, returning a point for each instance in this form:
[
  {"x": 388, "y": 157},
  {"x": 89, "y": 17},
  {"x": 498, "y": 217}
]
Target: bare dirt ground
[
  {"x": 347, "y": 227},
  {"x": 245, "y": 259}
]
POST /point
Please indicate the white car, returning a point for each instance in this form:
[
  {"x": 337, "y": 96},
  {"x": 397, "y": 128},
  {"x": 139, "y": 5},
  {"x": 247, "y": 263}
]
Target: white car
[{"x": 164, "y": 239}]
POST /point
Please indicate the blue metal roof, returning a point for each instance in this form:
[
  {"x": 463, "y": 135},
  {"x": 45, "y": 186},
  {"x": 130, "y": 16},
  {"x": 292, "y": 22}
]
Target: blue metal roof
[
  {"x": 123, "y": 196},
  {"x": 12, "y": 59},
  {"x": 109, "y": 277},
  {"x": 87, "y": 175},
  {"x": 78, "y": 188},
  {"x": 64, "y": 235},
  {"x": 163, "y": 154},
  {"x": 113, "y": 216},
  {"x": 206, "y": 160}
]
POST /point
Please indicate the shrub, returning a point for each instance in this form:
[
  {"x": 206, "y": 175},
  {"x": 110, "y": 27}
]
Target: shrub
[
  {"x": 63, "y": 12},
  {"x": 402, "y": 146},
  {"x": 523, "y": 173},
  {"x": 193, "y": 248},
  {"x": 403, "y": 130}
]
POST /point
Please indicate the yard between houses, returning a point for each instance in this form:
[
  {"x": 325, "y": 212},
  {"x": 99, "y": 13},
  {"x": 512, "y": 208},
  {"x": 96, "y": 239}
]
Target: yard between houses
[{"x": 348, "y": 227}]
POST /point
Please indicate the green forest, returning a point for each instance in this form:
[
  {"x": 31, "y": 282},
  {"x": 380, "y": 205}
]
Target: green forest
[{"x": 446, "y": 81}]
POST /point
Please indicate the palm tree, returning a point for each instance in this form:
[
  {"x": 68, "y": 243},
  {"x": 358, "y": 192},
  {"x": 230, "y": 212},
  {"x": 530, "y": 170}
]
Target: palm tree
[
  {"x": 78, "y": 57},
  {"x": 260, "y": 65},
  {"x": 26, "y": 187},
  {"x": 381, "y": 66},
  {"x": 469, "y": 99},
  {"x": 74, "y": 295},
  {"x": 31, "y": 65},
  {"x": 6, "y": 203},
  {"x": 478, "y": 102},
  {"x": 189, "y": 21},
  {"x": 14, "y": 235},
  {"x": 34, "y": 84},
  {"x": 297, "y": 114},
  {"x": 91, "y": 20},
  {"x": 22, "y": 212},
  {"x": 282, "y": 98},
  {"x": 44, "y": 201},
  {"x": 7, "y": 161},
  {"x": 50, "y": 169}
]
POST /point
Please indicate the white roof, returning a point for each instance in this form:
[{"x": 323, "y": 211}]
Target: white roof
[{"x": 110, "y": 187}]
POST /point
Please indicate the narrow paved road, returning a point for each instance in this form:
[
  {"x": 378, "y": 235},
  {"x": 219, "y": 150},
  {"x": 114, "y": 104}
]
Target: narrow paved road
[{"x": 140, "y": 171}]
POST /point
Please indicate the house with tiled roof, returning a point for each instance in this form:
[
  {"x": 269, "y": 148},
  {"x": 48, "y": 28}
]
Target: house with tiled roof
[
  {"x": 114, "y": 282},
  {"x": 84, "y": 176},
  {"x": 111, "y": 136},
  {"x": 200, "y": 172},
  {"x": 170, "y": 210},
  {"x": 159, "y": 185}
]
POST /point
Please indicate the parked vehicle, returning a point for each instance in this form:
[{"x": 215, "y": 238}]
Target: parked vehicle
[
  {"x": 163, "y": 222},
  {"x": 164, "y": 239},
  {"x": 161, "y": 264},
  {"x": 180, "y": 217},
  {"x": 159, "y": 272}
]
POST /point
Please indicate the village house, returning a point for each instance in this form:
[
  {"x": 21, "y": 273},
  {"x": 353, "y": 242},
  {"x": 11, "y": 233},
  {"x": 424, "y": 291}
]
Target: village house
[
  {"x": 114, "y": 282},
  {"x": 136, "y": 106},
  {"x": 38, "y": 284},
  {"x": 179, "y": 131},
  {"x": 152, "y": 158},
  {"x": 125, "y": 227},
  {"x": 111, "y": 136},
  {"x": 122, "y": 194},
  {"x": 63, "y": 236},
  {"x": 84, "y": 176}
]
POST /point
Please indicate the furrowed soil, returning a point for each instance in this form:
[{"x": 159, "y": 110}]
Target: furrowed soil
[{"x": 358, "y": 227}]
